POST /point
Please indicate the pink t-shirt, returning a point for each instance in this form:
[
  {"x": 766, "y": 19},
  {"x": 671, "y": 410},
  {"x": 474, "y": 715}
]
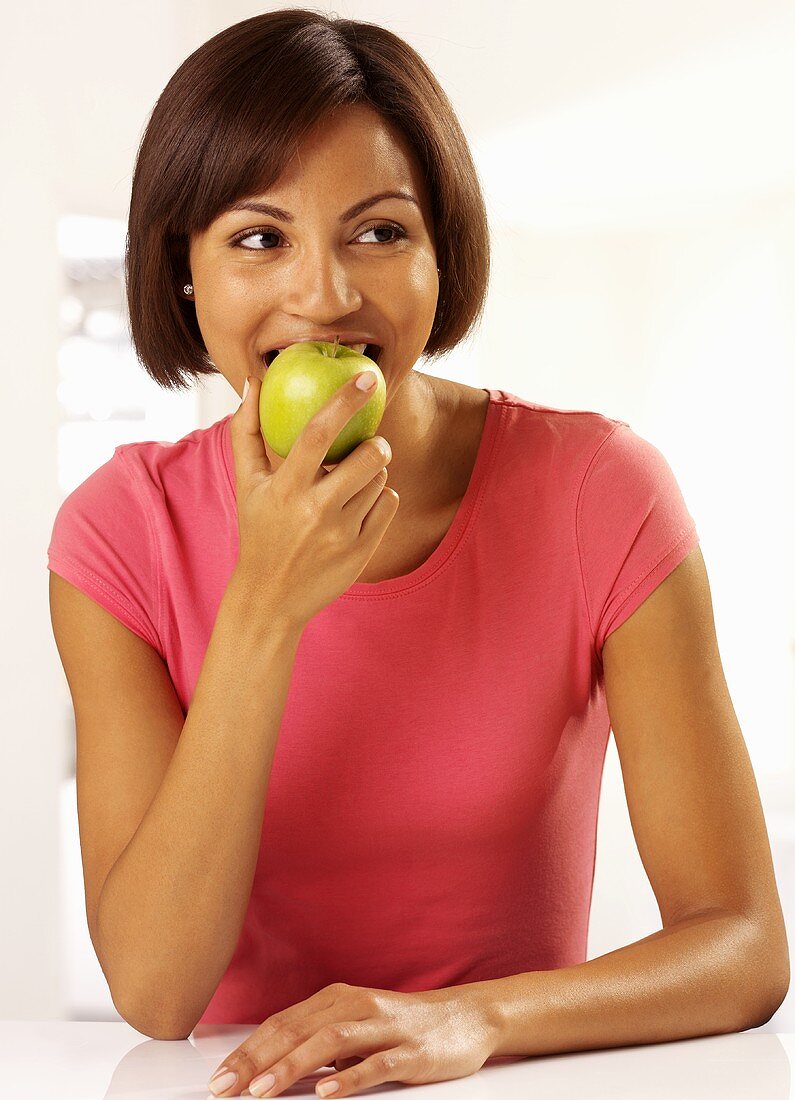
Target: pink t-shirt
[{"x": 432, "y": 808}]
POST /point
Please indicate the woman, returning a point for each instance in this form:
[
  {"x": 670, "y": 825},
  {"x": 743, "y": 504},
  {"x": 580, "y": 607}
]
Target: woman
[{"x": 354, "y": 735}]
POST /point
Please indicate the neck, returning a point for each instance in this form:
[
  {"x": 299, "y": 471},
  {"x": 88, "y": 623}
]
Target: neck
[{"x": 412, "y": 424}]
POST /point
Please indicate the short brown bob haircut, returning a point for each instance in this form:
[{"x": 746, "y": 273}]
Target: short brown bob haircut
[{"x": 229, "y": 121}]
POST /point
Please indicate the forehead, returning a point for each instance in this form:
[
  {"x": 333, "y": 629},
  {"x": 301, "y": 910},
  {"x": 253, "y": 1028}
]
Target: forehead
[
  {"x": 358, "y": 130},
  {"x": 353, "y": 151}
]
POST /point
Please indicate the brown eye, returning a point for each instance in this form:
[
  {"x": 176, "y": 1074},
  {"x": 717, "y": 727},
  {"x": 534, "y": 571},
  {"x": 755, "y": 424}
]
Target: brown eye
[
  {"x": 237, "y": 242},
  {"x": 397, "y": 230}
]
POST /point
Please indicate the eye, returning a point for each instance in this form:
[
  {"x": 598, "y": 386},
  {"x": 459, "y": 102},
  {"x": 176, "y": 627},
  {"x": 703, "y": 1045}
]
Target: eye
[
  {"x": 398, "y": 231},
  {"x": 237, "y": 241}
]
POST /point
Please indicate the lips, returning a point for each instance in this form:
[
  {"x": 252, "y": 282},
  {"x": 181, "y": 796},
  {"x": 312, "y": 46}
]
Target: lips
[{"x": 372, "y": 351}]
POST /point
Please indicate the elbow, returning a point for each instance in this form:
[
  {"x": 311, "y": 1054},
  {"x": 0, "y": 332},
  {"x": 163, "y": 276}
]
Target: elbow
[
  {"x": 767, "y": 1004},
  {"x": 769, "y": 964},
  {"x": 140, "y": 1003},
  {"x": 154, "y": 1023},
  {"x": 773, "y": 1003},
  {"x": 157, "y": 1028},
  {"x": 161, "y": 1031},
  {"x": 144, "y": 1007}
]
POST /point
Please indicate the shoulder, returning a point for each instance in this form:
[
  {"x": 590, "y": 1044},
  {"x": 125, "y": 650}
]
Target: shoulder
[
  {"x": 568, "y": 437},
  {"x": 165, "y": 452}
]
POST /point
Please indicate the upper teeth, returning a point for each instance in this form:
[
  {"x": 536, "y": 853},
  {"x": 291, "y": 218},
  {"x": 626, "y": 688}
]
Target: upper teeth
[{"x": 359, "y": 348}]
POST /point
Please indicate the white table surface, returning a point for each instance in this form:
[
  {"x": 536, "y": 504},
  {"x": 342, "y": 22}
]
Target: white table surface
[{"x": 74, "y": 1060}]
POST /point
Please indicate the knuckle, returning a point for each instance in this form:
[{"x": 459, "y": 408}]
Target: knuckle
[
  {"x": 315, "y": 434},
  {"x": 273, "y": 1023},
  {"x": 293, "y": 1034},
  {"x": 337, "y": 1033},
  {"x": 420, "y": 1054},
  {"x": 269, "y": 1028},
  {"x": 387, "y": 1061},
  {"x": 381, "y": 449},
  {"x": 373, "y": 1000},
  {"x": 364, "y": 454},
  {"x": 289, "y": 1068},
  {"x": 243, "y": 1057}
]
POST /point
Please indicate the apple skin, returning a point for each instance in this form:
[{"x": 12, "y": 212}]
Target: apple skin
[{"x": 299, "y": 382}]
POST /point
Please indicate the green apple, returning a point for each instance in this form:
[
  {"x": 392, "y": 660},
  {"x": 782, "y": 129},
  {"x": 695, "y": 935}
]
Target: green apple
[{"x": 299, "y": 382}]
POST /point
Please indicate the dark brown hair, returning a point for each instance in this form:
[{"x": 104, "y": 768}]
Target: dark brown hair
[{"x": 229, "y": 121}]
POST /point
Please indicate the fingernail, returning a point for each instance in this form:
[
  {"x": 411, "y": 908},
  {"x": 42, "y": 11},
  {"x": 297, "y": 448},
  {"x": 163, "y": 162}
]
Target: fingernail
[
  {"x": 222, "y": 1081},
  {"x": 367, "y": 380},
  {"x": 327, "y": 1088},
  {"x": 261, "y": 1085},
  {"x": 245, "y": 389}
]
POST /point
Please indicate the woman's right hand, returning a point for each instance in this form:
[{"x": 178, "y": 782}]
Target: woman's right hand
[{"x": 307, "y": 533}]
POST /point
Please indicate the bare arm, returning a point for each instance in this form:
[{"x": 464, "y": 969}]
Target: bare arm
[
  {"x": 704, "y": 975},
  {"x": 721, "y": 961},
  {"x": 172, "y": 907}
]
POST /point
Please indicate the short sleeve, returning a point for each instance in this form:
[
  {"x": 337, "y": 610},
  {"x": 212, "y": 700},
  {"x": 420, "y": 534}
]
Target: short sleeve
[
  {"x": 102, "y": 544},
  {"x": 633, "y": 529}
]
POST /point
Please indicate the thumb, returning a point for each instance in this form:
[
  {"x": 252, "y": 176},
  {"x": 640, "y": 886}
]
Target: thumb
[{"x": 248, "y": 446}]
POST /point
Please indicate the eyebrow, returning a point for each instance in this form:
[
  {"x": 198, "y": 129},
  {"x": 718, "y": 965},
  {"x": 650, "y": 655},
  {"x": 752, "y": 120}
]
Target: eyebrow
[{"x": 353, "y": 212}]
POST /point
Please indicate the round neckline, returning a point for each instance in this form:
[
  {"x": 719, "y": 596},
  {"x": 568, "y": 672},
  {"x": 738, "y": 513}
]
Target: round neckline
[{"x": 455, "y": 533}]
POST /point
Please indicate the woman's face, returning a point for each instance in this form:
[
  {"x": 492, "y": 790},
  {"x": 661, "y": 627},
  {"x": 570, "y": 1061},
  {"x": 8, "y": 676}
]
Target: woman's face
[{"x": 261, "y": 280}]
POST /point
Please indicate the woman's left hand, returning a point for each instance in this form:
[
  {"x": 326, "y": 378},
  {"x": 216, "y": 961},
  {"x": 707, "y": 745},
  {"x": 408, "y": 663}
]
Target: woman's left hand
[{"x": 416, "y": 1038}]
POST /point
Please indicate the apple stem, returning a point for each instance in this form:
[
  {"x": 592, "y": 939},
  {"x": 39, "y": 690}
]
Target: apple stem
[{"x": 336, "y": 345}]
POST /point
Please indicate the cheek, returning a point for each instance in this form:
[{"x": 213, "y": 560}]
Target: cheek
[
  {"x": 226, "y": 306},
  {"x": 421, "y": 279}
]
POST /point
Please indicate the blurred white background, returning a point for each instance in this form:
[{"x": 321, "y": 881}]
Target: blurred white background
[{"x": 639, "y": 168}]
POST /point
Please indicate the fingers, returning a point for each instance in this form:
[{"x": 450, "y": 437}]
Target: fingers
[
  {"x": 344, "y": 1063},
  {"x": 317, "y": 1050},
  {"x": 248, "y": 446},
  {"x": 360, "y": 503},
  {"x": 379, "y": 517},
  {"x": 348, "y": 484},
  {"x": 396, "y": 1064},
  {"x": 314, "y": 442}
]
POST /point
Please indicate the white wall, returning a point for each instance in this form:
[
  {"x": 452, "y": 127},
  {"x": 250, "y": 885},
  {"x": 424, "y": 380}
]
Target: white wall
[
  {"x": 32, "y": 715},
  {"x": 76, "y": 83}
]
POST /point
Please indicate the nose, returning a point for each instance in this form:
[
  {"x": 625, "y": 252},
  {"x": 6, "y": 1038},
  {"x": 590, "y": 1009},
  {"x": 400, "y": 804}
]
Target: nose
[{"x": 323, "y": 288}]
